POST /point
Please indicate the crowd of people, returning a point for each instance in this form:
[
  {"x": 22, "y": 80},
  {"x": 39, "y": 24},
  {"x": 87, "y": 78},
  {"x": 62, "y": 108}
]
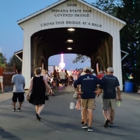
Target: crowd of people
[
  {"x": 88, "y": 86},
  {"x": 62, "y": 78}
]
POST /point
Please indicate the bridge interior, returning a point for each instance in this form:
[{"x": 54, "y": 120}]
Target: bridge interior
[{"x": 95, "y": 44}]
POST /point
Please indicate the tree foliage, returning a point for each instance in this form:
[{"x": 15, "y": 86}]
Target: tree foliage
[
  {"x": 15, "y": 61},
  {"x": 80, "y": 58},
  {"x": 130, "y": 36},
  {"x": 108, "y": 6},
  {"x": 2, "y": 61}
]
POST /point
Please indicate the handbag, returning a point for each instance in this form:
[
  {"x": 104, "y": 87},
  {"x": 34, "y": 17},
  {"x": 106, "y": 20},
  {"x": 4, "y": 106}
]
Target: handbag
[
  {"x": 27, "y": 97},
  {"x": 75, "y": 95}
]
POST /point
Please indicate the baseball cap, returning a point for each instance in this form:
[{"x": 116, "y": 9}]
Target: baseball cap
[
  {"x": 87, "y": 68},
  {"x": 110, "y": 69},
  {"x": 83, "y": 73},
  {"x": 101, "y": 72}
]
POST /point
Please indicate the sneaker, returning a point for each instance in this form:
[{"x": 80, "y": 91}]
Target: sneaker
[
  {"x": 106, "y": 123},
  {"x": 111, "y": 125},
  {"x": 90, "y": 129},
  {"x": 18, "y": 109},
  {"x": 84, "y": 126},
  {"x": 14, "y": 110}
]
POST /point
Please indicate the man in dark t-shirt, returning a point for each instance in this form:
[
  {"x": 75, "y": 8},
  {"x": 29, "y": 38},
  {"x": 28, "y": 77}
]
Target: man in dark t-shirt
[
  {"x": 110, "y": 86},
  {"x": 88, "y": 84}
]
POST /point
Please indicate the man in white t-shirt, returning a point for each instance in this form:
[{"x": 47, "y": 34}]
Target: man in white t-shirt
[
  {"x": 18, "y": 89},
  {"x": 62, "y": 76}
]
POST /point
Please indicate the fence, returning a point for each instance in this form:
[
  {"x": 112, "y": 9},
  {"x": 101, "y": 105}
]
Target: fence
[
  {"x": 7, "y": 72},
  {"x": 7, "y": 78},
  {"x": 8, "y": 86}
]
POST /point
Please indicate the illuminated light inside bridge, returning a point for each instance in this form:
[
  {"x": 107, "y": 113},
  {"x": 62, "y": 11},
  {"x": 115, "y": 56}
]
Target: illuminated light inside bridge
[
  {"x": 69, "y": 48},
  {"x": 71, "y": 29},
  {"x": 70, "y": 40}
]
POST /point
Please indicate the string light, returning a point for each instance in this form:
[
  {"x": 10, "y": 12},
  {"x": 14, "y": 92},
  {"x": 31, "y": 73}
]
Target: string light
[{"x": 62, "y": 64}]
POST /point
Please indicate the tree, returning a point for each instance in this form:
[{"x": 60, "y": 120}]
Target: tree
[
  {"x": 80, "y": 58},
  {"x": 15, "y": 61},
  {"x": 108, "y": 6},
  {"x": 130, "y": 36},
  {"x": 2, "y": 60}
]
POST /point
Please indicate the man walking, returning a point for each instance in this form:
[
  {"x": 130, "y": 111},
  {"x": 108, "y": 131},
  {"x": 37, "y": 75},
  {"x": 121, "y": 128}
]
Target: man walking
[
  {"x": 88, "y": 84},
  {"x": 111, "y": 85},
  {"x": 62, "y": 76},
  {"x": 18, "y": 89}
]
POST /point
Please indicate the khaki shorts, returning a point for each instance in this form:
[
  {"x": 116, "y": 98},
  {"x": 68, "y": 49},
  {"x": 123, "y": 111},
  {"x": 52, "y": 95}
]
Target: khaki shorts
[
  {"x": 1, "y": 79},
  {"x": 88, "y": 103},
  {"x": 109, "y": 104}
]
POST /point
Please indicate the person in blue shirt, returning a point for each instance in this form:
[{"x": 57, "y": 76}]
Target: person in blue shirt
[
  {"x": 18, "y": 89},
  {"x": 110, "y": 88},
  {"x": 88, "y": 84}
]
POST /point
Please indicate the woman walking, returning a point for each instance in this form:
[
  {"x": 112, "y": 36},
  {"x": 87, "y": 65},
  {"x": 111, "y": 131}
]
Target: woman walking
[{"x": 37, "y": 88}]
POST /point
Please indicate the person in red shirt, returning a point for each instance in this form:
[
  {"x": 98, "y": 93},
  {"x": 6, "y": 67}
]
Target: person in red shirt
[
  {"x": 1, "y": 79},
  {"x": 100, "y": 75}
]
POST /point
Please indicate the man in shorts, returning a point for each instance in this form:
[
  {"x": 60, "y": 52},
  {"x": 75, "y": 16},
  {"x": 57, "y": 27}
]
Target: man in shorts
[
  {"x": 88, "y": 84},
  {"x": 18, "y": 89},
  {"x": 110, "y": 87}
]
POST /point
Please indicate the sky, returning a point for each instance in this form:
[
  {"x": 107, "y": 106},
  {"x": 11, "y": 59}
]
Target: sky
[{"x": 11, "y": 35}]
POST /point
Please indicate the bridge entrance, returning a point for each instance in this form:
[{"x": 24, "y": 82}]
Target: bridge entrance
[{"x": 95, "y": 44}]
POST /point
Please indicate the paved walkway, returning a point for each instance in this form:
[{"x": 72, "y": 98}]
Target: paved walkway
[{"x": 61, "y": 123}]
